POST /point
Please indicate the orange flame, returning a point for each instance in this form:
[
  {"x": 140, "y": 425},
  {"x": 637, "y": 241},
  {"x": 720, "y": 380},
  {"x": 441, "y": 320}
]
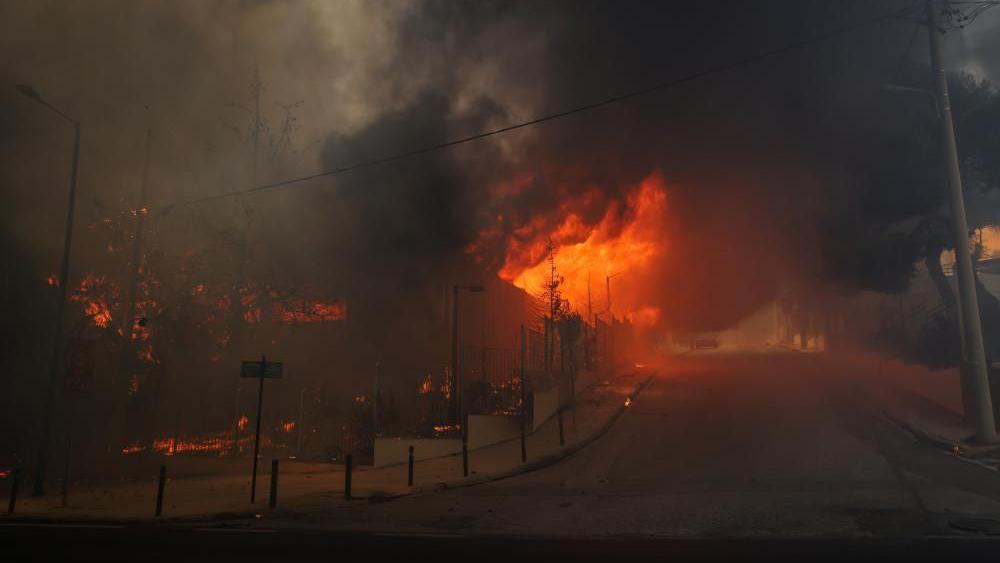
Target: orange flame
[
  {"x": 628, "y": 240},
  {"x": 427, "y": 385},
  {"x": 97, "y": 295}
]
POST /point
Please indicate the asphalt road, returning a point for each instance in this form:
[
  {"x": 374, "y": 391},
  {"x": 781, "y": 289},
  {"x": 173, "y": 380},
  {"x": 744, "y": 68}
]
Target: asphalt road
[
  {"x": 768, "y": 445},
  {"x": 722, "y": 457}
]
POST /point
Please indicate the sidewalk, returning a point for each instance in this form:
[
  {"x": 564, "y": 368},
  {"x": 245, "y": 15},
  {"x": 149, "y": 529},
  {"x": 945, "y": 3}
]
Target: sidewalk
[
  {"x": 927, "y": 405},
  {"x": 306, "y": 486}
]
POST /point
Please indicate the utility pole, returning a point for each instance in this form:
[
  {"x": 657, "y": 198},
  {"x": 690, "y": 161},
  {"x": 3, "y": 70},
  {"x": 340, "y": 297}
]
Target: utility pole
[
  {"x": 974, "y": 370},
  {"x": 54, "y": 363}
]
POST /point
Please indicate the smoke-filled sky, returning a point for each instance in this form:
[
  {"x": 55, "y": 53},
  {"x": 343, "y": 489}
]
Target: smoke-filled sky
[{"x": 758, "y": 166}]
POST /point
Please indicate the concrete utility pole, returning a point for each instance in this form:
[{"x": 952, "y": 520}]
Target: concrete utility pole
[
  {"x": 974, "y": 370},
  {"x": 54, "y": 363}
]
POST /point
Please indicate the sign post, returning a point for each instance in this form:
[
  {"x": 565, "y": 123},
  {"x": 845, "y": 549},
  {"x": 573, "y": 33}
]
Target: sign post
[{"x": 261, "y": 370}]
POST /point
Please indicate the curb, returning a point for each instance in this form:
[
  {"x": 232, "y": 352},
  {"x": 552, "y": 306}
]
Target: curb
[
  {"x": 541, "y": 462},
  {"x": 952, "y": 448}
]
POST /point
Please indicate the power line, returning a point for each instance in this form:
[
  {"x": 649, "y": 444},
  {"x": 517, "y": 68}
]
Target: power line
[{"x": 545, "y": 118}]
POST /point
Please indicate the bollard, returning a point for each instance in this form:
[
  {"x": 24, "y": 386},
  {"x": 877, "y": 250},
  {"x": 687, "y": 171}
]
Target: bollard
[
  {"x": 347, "y": 477},
  {"x": 159, "y": 490},
  {"x": 562, "y": 435},
  {"x": 465, "y": 458},
  {"x": 524, "y": 445},
  {"x": 409, "y": 470},
  {"x": 274, "y": 484},
  {"x": 13, "y": 490}
]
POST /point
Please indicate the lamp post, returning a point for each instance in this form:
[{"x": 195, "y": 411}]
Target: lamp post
[
  {"x": 607, "y": 289},
  {"x": 456, "y": 396},
  {"x": 43, "y": 446}
]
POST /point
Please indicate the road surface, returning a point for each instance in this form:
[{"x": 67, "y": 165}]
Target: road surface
[{"x": 721, "y": 445}]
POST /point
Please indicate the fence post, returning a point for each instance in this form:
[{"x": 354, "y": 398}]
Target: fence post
[
  {"x": 347, "y": 477},
  {"x": 274, "y": 484},
  {"x": 159, "y": 490},
  {"x": 409, "y": 470},
  {"x": 13, "y": 490},
  {"x": 524, "y": 403},
  {"x": 465, "y": 457},
  {"x": 562, "y": 434}
]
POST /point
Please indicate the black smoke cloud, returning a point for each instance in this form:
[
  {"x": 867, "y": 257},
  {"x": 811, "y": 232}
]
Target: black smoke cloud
[{"x": 796, "y": 167}]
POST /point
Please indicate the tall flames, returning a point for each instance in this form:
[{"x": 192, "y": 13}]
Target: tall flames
[{"x": 626, "y": 241}]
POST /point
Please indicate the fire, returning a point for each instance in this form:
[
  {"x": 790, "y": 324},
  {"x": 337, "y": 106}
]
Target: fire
[
  {"x": 134, "y": 448},
  {"x": 98, "y": 296},
  {"x": 287, "y": 426},
  {"x": 217, "y": 443},
  {"x": 628, "y": 402},
  {"x": 427, "y": 385},
  {"x": 627, "y": 240},
  {"x": 52, "y": 280},
  {"x": 447, "y": 428},
  {"x": 287, "y": 310},
  {"x": 99, "y": 312},
  {"x": 242, "y": 423}
]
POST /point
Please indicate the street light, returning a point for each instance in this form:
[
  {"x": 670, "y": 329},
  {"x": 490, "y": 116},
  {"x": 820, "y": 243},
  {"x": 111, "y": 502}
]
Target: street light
[
  {"x": 456, "y": 400},
  {"x": 39, "y": 487},
  {"x": 607, "y": 288}
]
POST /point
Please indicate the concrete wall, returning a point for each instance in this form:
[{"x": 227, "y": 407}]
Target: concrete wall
[
  {"x": 484, "y": 430},
  {"x": 546, "y": 404},
  {"x": 489, "y": 429},
  {"x": 397, "y": 450}
]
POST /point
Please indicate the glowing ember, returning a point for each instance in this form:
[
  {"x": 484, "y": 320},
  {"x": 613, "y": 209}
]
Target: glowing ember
[
  {"x": 628, "y": 402},
  {"x": 134, "y": 448},
  {"x": 447, "y": 428},
  {"x": 52, "y": 280},
  {"x": 242, "y": 422},
  {"x": 287, "y": 426},
  {"x": 301, "y": 311},
  {"x": 133, "y": 384},
  {"x": 427, "y": 385},
  {"x": 97, "y": 295}
]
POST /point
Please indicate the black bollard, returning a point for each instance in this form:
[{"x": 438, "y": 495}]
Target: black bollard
[
  {"x": 159, "y": 490},
  {"x": 562, "y": 435},
  {"x": 465, "y": 458},
  {"x": 274, "y": 484},
  {"x": 524, "y": 445},
  {"x": 15, "y": 480},
  {"x": 347, "y": 477},
  {"x": 409, "y": 470}
]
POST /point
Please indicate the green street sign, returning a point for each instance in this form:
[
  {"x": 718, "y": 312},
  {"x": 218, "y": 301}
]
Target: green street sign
[{"x": 271, "y": 370}]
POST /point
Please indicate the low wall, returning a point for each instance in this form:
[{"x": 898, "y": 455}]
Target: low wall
[
  {"x": 545, "y": 405},
  {"x": 389, "y": 451},
  {"x": 490, "y": 429}
]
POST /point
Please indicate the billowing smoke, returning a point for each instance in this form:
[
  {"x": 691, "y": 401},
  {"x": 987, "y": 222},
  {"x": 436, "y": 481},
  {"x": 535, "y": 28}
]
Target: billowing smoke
[{"x": 797, "y": 169}]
